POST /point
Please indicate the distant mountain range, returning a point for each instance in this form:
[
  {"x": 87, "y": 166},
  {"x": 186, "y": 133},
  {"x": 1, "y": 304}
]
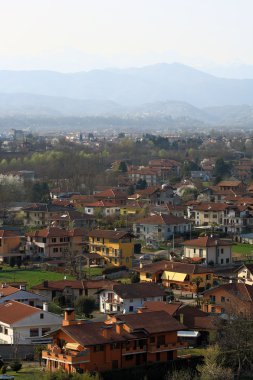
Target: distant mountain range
[{"x": 173, "y": 90}]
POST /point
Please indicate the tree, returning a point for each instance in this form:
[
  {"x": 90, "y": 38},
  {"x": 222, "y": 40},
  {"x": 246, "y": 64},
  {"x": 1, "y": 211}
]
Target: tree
[
  {"x": 236, "y": 343},
  {"x": 12, "y": 261},
  {"x": 38, "y": 352},
  {"x": 134, "y": 277},
  {"x": 85, "y": 305},
  {"x": 122, "y": 167},
  {"x": 16, "y": 366},
  {"x": 141, "y": 184},
  {"x": 213, "y": 368},
  {"x": 221, "y": 168},
  {"x": 40, "y": 192}
]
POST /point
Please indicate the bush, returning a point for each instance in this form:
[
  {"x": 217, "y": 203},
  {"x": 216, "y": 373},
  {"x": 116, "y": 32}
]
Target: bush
[
  {"x": 114, "y": 269},
  {"x": 16, "y": 366},
  {"x": 3, "y": 370}
]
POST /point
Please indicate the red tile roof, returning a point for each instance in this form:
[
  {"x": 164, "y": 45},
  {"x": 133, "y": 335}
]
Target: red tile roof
[
  {"x": 109, "y": 234},
  {"x": 206, "y": 241},
  {"x": 165, "y": 219},
  {"x": 13, "y": 311}
]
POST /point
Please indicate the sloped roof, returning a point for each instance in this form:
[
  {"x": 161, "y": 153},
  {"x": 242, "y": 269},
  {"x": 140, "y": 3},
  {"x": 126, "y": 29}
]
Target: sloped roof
[
  {"x": 91, "y": 333},
  {"x": 13, "y": 311},
  {"x": 152, "y": 322},
  {"x": 138, "y": 290},
  {"x": 243, "y": 291},
  {"x": 174, "y": 266},
  {"x": 163, "y": 219},
  {"x": 206, "y": 241},
  {"x": 109, "y": 234}
]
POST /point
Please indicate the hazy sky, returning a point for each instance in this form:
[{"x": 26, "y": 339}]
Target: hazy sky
[{"x": 73, "y": 35}]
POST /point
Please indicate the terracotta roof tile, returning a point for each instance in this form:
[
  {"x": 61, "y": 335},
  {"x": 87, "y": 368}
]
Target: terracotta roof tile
[{"x": 13, "y": 311}]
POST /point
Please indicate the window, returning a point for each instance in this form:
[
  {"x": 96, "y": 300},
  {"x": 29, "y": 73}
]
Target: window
[
  {"x": 55, "y": 249},
  {"x": 221, "y": 250},
  {"x": 227, "y": 261},
  {"x": 152, "y": 339},
  {"x": 53, "y": 240},
  {"x": 115, "y": 345},
  {"x": 221, "y": 261},
  {"x": 222, "y": 299},
  {"x": 5, "y": 331},
  {"x": 34, "y": 332},
  {"x": 1, "y": 329},
  {"x": 45, "y": 330},
  {"x": 148, "y": 275},
  {"x": 131, "y": 300},
  {"x": 98, "y": 348},
  {"x": 212, "y": 309},
  {"x": 160, "y": 340},
  {"x": 205, "y": 216},
  {"x": 41, "y": 316}
]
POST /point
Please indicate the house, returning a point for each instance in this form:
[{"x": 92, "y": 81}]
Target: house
[
  {"x": 201, "y": 327},
  {"x": 71, "y": 289},
  {"x": 212, "y": 250},
  {"x": 114, "y": 195},
  {"x": 124, "y": 298},
  {"x": 25, "y": 324},
  {"x": 55, "y": 242},
  {"x": 151, "y": 176},
  {"x": 9, "y": 245},
  {"x": 204, "y": 214},
  {"x": 158, "y": 195},
  {"x": 11, "y": 293},
  {"x": 230, "y": 185},
  {"x": 245, "y": 274},
  {"x": 105, "y": 208},
  {"x": 165, "y": 166},
  {"x": 72, "y": 219},
  {"x": 161, "y": 227},
  {"x": 41, "y": 214},
  {"x": 123, "y": 341},
  {"x": 229, "y": 299},
  {"x": 191, "y": 277},
  {"x": 116, "y": 247}
]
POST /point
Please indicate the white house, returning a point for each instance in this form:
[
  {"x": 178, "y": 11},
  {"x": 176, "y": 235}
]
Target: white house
[
  {"x": 124, "y": 298},
  {"x": 160, "y": 227},
  {"x": 245, "y": 274},
  {"x": 10, "y": 293},
  {"x": 25, "y": 324},
  {"x": 210, "y": 249}
]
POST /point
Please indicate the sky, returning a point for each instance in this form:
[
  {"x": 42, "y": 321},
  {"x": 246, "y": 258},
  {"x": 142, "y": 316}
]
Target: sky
[{"x": 76, "y": 35}]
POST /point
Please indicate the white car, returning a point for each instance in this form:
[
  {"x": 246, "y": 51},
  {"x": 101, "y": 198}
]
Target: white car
[{"x": 145, "y": 257}]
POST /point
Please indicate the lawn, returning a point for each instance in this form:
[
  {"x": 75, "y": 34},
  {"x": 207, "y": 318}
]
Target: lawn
[
  {"x": 32, "y": 277},
  {"x": 242, "y": 249},
  {"x": 26, "y": 373}
]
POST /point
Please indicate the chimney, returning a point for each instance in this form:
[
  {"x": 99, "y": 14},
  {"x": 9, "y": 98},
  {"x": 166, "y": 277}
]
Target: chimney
[
  {"x": 69, "y": 316},
  {"x": 45, "y": 306},
  {"x": 106, "y": 331},
  {"x": 181, "y": 318},
  {"x": 141, "y": 265},
  {"x": 119, "y": 327}
]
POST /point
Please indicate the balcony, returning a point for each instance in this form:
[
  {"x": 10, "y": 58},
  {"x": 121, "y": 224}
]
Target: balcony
[
  {"x": 153, "y": 348},
  {"x": 133, "y": 350},
  {"x": 66, "y": 356}
]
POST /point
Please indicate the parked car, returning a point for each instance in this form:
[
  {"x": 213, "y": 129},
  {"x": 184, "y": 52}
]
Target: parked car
[{"x": 145, "y": 257}]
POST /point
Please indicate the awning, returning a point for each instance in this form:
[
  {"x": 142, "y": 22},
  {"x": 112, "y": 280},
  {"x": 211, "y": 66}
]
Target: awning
[
  {"x": 73, "y": 346},
  {"x": 188, "y": 334},
  {"x": 173, "y": 276}
]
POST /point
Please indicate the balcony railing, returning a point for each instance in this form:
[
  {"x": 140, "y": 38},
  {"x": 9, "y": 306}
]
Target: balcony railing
[
  {"x": 66, "y": 356},
  {"x": 166, "y": 347},
  {"x": 133, "y": 350}
]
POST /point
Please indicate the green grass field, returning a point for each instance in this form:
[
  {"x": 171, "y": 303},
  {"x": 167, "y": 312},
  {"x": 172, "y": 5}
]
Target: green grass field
[
  {"x": 36, "y": 276},
  {"x": 242, "y": 249},
  {"x": 32, "y": 277}
]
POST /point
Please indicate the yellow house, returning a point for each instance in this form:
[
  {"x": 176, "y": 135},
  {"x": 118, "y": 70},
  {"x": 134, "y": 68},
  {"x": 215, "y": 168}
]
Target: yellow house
[
  {"x": 116, "y": 247},
  {"x": 132, "y": 208},
  {"x": 177, "y": 275}
]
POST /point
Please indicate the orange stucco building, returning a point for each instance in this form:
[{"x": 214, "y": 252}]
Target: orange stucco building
[
  {"x": 120, "y": 342},
  {"x": 9, "y": 244}
]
